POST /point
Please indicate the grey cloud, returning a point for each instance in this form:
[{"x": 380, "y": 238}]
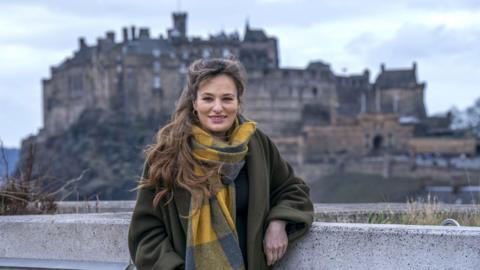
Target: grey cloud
[
  {"x": 221, "y": 12},
  {"x": 420, "y": 42},
  {"x": 445, "y": 5}
]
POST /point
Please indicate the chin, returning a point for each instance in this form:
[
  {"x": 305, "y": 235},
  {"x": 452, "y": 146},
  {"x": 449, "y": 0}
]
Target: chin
[{"x": 219, "y": 128}]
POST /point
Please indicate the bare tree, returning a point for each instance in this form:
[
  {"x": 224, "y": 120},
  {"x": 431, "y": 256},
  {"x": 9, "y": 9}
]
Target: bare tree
[
  {"x": 31, "y": 196},
  {"x": 4, "y": 159}
]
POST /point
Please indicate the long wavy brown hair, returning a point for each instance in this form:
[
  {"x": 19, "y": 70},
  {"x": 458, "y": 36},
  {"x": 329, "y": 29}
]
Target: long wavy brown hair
[{"x": 169, "y": 161}]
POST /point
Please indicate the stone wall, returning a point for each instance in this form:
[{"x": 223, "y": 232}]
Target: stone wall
[
  {"x": 85, "y": 240},
  {"x": 450, "y": 146},
  {"x": 368, "y": 134}
]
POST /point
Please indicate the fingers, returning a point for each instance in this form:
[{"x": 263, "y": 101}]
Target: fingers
[
  {"x": 282, "y": 252},
  {"x": 268, "y": 253},
  {"x": 274, "y": 252},
  {"x": 275, "y": 241}
]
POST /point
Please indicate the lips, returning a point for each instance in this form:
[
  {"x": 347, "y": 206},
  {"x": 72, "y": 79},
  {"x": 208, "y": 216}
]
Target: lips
[{"x": 217, "y": 119}]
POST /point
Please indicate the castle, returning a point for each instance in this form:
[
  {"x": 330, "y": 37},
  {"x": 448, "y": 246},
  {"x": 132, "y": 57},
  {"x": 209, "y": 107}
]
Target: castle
[{"x": 141, "y": 75}]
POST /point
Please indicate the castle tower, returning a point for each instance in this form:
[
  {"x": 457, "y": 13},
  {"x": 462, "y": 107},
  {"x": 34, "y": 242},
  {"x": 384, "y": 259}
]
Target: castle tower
[{"x": 179, "y": 24}]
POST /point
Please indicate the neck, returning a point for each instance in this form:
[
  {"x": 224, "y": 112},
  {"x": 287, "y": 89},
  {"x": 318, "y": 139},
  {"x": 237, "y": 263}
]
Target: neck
[{"x": 220, "y": 135}]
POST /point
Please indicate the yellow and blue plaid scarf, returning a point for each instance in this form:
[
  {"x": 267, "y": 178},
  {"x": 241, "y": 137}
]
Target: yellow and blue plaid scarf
[{"x": 212, "y": 240}]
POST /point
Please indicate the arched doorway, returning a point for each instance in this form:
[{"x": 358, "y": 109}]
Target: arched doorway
[{"x": 377, "y": 143}]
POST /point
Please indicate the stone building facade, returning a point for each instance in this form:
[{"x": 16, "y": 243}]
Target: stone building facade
[{"x": 142, "y": 75}]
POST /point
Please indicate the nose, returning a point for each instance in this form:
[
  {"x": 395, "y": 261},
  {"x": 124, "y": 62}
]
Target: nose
[{"x": 217, "y": 106}]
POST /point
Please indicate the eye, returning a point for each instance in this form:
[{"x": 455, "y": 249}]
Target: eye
[
  {"x": 228, "y": 99},
  {"x": 207, "y": 99}
]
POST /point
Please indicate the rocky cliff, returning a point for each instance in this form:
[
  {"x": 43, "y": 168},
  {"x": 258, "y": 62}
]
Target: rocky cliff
[{"x": 106, "y": 148}]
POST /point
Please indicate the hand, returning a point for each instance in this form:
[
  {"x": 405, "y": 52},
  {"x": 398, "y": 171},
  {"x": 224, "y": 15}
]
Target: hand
[{"x": 276, "y": 241}]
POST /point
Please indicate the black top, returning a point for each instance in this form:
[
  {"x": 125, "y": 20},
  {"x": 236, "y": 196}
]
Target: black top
[{"x": 241, "y": 198}]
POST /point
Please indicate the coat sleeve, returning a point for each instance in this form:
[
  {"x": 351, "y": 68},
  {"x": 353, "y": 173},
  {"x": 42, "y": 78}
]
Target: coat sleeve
[
  {"x": 289, "y": 196},
  {"x": 148, "y": 243}
]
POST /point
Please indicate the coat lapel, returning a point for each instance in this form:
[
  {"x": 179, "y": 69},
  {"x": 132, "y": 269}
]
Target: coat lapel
[
  {"x": 182, "y": 201},
  {"x": 258, "y": 195}
]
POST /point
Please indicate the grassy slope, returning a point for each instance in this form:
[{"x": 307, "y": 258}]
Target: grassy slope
[{"x": 358, "y": 188}]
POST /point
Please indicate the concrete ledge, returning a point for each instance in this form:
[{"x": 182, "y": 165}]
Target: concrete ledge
[
  {"x": 37, "y": 264},
  {"x": 67, "y": 207},
  {"x": 396, "y": 247},
  {"x": 82, "y": 237},
  {"x": 103, "y": 238}
]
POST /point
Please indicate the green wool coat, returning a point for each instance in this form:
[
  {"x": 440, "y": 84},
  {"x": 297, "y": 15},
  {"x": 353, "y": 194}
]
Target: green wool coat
[{"x": 157, "y": 235}]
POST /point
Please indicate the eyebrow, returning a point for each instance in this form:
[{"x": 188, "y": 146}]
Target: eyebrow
[{"x": 210, "y": 94}]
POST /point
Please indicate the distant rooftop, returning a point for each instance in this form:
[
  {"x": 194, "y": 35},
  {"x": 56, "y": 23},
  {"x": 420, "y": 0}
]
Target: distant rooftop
[{"x": 397, "y": 78}]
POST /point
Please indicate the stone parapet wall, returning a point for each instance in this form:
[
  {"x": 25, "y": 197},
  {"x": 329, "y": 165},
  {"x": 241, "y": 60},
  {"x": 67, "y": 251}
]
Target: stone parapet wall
[
  {"x": 385, "y": 247},
  {"x": 74, "y": 237},
  {"x": 102, "y": 238},
  {"x": 451, "y": 146}
]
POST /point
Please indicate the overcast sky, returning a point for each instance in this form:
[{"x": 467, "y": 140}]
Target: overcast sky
[{"x": 443, "y": 37}]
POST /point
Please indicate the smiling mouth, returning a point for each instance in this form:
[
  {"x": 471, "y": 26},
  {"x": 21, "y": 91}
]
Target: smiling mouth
[{"x": 217, "y": 118}]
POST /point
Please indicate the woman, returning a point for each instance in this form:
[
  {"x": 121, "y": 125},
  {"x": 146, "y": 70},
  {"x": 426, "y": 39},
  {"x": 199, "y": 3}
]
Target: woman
[{"x": 215, "y": 192}]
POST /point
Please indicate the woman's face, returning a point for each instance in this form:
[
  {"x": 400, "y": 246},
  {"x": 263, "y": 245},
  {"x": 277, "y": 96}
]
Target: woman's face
[{"x": 217, "y": 104}]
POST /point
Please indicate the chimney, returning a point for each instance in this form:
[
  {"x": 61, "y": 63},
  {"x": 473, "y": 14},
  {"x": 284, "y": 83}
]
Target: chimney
[
  {"x": 81, "y": 43},
  {"x": 382, "y": 67},
  {"x": 366, "y": 73},
  {"x": 111, "y": 36},
  {"x": 414, "y": 66},
  {"x": 132, "y": 29},
  {"x": 144, "y": 33},
  {"x": 125, "y": 34}
]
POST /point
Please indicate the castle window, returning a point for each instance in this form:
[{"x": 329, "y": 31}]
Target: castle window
[
  {"x": 183, "y": 68},
  {"x": 205, "y": 53},
  {"x": 156, "y": 66},
  {"x": 226, "y": 52},
  {"x": 157, "y": 83},
  {"x": 314, "y": 91},
  {"x": 156, "y": 52}
]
